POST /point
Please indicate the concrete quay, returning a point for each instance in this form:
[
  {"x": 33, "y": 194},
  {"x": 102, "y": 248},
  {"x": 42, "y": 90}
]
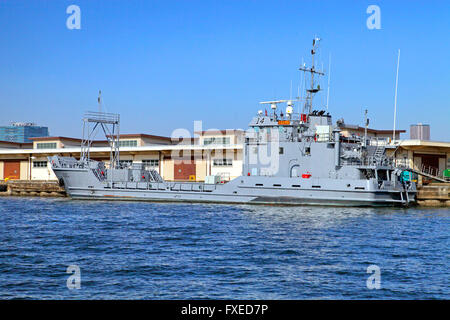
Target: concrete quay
[
  {"x": 434, "y": 195},
  {"x": 31, "y": 188}
]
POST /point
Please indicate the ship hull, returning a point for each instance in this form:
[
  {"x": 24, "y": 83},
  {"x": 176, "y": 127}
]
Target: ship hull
[
  {"x": 80, "y": 184},
  {"x": 149, "y": 197},
  {"x": 304, "y": 197}
]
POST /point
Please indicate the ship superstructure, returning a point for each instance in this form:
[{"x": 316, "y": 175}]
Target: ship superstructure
[{"x": 289, "y": 158}]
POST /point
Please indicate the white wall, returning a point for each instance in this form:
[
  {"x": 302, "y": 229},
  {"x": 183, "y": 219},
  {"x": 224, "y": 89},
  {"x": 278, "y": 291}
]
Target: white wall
[
  {"x": 42, "y": 173},
  {"x": 235, "y": 170}
]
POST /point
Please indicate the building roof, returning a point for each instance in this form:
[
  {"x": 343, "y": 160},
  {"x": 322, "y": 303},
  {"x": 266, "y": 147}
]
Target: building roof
[
  {"x": 224, "y": 131},
  {"x": 16, "y": 144},
  {"x": 423, "y": 143},
  {"x": 128, "y": 135},
  {"x": 358, "y": 128},
  {"x": 144, "y": 135},
  {"x": 76, "y": 150},
  {"x": 54, "y": 138}
]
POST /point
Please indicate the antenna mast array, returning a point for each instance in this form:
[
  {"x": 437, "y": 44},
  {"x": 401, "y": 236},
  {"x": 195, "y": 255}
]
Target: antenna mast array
[{"x": 312, "y": 70}]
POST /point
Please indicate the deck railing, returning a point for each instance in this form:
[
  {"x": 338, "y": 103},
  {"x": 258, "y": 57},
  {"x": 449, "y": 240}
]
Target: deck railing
[
  {"x": 368, "y": 161},
  {"x": 103, "y": 117}
]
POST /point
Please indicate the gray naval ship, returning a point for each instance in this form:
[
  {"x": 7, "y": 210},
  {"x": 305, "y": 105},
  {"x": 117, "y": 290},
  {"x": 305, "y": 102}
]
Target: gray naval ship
[{"x": 289, "y": 159}]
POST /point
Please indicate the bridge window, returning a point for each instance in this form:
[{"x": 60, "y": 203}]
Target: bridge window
[{"x": 307, "y": 150}]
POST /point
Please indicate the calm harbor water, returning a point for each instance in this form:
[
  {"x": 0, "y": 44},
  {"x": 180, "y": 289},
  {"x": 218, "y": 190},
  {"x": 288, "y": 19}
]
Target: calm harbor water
[{"x": 128, "y": 250}]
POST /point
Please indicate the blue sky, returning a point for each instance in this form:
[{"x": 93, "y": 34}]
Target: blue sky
[{"x": 164, "y": 64}]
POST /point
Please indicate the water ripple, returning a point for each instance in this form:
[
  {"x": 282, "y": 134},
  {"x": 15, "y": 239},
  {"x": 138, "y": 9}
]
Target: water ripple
[{"x": 129, "y": 250}]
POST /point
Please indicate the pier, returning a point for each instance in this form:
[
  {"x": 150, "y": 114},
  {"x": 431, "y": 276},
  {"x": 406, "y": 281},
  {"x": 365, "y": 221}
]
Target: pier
[
  {"x": 31, "y": 188},
  {"x": 434, "y": 195}
]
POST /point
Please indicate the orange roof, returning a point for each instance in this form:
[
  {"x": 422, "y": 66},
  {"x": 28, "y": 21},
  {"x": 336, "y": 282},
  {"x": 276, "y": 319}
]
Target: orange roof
[
  {"x": 143, "y": 135},
  {"x": 225, "y": 131},
  {"x": 16, "y": 143},
  {"x": 54, "y": 138},
  {"x": 354, "y": 127}
]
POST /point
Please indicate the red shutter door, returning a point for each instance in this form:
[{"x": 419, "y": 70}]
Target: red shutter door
[
  {"x": 184, "y": 169},
  {"x": 11, "y": 170}
]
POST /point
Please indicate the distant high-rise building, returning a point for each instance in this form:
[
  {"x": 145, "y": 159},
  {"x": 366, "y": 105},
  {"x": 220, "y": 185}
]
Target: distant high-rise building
[
  {"x": 419, "y": 131},
  {"x": 21, "y": 132}
]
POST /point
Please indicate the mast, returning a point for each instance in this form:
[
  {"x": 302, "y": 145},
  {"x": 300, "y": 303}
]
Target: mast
[
  {"x": 312, "y": 70},
  {"x": 366, "y": 124},
  {"x": 99, "y": 100},
  {"x": 110, "y": 125},
  {"x": 329, "y": 75},
  {"x": 395, "y": 99},
  {"x": 301, "y": 86}
]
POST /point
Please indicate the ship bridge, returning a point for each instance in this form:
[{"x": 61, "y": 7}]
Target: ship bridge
[{"x": 290, "y": 126}]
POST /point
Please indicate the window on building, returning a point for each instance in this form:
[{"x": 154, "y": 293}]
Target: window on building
[
  {"x": 128, "y": 143},
  {"x": 46, "y": 145},
  {"x": 39, "y": 164},
  {"x": 216, "y": 140},
  {"x": 222, "y": 162},
  {"x": 151, "y": 163}
]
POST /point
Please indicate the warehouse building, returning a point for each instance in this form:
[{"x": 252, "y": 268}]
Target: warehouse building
[
  {"x": 352, "y": 131},
  {"x": 423, "y": 155},
  {"x": 212, "y": 153},
  {"x": 215, "y": 152}
]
